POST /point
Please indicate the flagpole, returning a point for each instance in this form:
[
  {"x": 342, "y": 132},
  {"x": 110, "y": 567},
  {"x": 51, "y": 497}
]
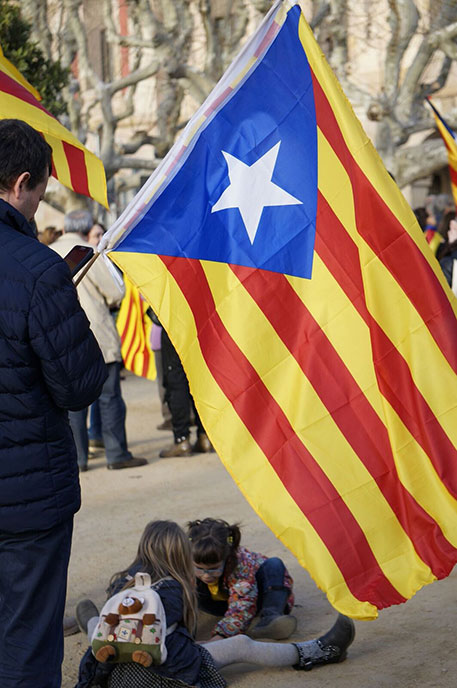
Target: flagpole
[{"x": 86, "y": 268}]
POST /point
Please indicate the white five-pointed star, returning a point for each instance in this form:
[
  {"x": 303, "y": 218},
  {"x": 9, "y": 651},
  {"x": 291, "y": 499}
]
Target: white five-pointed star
[{"x": 251, "y": 189}]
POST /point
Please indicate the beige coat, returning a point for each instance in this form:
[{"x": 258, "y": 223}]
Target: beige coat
[{"x": 98, "y": 292}]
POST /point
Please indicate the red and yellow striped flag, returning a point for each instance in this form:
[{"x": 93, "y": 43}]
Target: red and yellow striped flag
[
  {"x": 314, "y": 324},
  {"x": 134, "y": 328},
  {"x": 9, "y": 69},
  {"x": 73, "y": 164},
  {"x": 450, "y": 142}
]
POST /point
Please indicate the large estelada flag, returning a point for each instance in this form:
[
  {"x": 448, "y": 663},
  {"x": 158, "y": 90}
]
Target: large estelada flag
[
  {"x": 134, "y": 327},
  {"x": 74, "y": 166},
  {"x": 314, "y": 324},
  {"x": 450, "y": 142}
]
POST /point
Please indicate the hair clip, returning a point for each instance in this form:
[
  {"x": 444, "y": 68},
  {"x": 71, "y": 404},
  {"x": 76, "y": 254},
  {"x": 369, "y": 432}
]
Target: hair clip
[{"x": 230, "y": 540}]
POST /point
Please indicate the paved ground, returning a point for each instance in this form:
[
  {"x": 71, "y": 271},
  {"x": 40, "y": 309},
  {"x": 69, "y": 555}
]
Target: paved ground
[{"x": 408, "y": 646}]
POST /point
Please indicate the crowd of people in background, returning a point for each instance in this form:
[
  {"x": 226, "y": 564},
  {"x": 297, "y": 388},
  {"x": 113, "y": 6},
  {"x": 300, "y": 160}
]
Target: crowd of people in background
[{"x": 437, "y": 219}]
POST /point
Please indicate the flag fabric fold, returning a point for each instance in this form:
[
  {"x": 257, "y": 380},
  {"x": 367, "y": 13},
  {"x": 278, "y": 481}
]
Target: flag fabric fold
[
  {"x": 74, "y": 166},
  {"x": 134, "y": 328},
  {"x": 311, "y": 318},
  {"x": 450, "y": 142}
]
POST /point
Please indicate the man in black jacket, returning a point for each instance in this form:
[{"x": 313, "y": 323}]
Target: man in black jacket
[{"x": 49, "y": 363}]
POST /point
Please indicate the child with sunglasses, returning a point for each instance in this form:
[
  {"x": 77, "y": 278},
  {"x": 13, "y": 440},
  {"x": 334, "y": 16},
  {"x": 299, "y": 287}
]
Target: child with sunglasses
[{"x": 237, "y": 584}]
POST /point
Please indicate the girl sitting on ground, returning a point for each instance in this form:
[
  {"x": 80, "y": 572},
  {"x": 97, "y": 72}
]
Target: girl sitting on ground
[
  {"x": 238, "y": 585},
  {"x": 164, "y": 553}
]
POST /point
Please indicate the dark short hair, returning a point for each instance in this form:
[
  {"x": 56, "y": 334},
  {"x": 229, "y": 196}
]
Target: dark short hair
[
  {"x": 421, "y": 216},
  {"x": 22, "y": 149}
]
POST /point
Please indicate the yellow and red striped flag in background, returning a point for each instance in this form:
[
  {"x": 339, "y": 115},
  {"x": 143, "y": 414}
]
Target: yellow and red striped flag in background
[
  {"x": 74, "y": 166},
  {"x": 134, "y": 328},
  {"x": 314, "y": 324},
  {"x": 9, "y": 69},
  {"x": 450, "y": 142}
]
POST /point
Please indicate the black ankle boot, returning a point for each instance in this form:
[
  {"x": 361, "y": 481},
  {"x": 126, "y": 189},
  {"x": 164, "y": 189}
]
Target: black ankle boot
[
  {"x": 329, "y": 648},
  {"x": 274, "y": 626},
  {"x": 273, "y": 622}
]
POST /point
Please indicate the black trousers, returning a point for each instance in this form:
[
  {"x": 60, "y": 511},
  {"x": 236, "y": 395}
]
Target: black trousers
[
  {"x": 177, "y": 393},
  {"x": 33, "y": 584}
]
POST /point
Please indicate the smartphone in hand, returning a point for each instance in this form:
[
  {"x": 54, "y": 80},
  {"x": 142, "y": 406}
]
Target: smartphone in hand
[{"x": 78, "y": 257}]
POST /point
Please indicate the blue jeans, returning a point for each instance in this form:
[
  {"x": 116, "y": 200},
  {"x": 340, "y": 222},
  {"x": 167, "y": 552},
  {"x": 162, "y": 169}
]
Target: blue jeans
[
  {"x": 269, "y": 576},
  {"x": 33, "y": 585},
  {"x": 95, "y": 422},
  {"x": 112, "y": 412}
]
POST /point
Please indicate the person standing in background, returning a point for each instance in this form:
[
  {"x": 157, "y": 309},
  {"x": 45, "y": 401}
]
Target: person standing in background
[
  {"x": 99, "y": 292},
  {"x": 448, "y": 256},
  {"x": 95, "y": 420}
]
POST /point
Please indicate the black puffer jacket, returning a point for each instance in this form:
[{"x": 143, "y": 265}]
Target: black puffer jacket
[{"x": 49, "y": 363}]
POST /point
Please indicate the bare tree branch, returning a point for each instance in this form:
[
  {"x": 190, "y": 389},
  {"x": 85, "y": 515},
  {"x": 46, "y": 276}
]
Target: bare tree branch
[
  {"x": 199, "y": 84},
  {"x": 125, "y": 162},
  {"x": 450, "y": 49},
  {"x": 133, "y": 78},
  {"x": 176, "y": 50},
  {"x": 417, "y": 162},
  {"x": 403, "y": 20},
  {"x": 320, "y": 11}
]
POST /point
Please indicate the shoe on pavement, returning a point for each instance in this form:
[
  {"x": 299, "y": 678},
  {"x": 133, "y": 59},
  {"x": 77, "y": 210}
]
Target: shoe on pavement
[
  {"x": 96, "y": 444},
  {"x": 85, "y": 611},
  {"x": 70, "y": 626},
  {"x": 329, "y": 648},
  {"x": 202, "y": 445},
  {"x": 131, "y": 463},
  {"x": 274, "y": 627},
  {"x": 165, "y": 425},
  {"x": 177, "y": 449}
]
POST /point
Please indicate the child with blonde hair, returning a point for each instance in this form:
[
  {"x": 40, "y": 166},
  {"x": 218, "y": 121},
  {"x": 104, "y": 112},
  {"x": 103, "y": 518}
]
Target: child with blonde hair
[{"x": 164, "y": 553}]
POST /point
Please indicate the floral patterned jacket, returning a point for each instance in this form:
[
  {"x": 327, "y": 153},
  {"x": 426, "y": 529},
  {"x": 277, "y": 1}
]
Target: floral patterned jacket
[{"x": 241, "y": 587}]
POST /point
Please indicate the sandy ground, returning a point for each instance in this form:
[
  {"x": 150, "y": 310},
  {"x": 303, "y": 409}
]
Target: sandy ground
[{"x": 407, "y": 646}]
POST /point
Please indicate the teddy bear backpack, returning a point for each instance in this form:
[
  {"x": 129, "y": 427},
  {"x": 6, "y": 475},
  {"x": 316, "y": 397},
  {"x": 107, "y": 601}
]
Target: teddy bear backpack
[{"x": 132, "y": 626}]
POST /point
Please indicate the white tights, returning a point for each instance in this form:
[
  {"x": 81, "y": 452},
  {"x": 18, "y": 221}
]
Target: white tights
[{"x": 240, "y": 648}]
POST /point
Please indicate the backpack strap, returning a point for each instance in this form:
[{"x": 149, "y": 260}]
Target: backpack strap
[
  {"x": 173, "y": 627},
  {"x": 162, "y": 579}
]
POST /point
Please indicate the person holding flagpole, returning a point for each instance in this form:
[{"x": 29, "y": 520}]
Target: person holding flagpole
[{"x": 50, "y": 364}]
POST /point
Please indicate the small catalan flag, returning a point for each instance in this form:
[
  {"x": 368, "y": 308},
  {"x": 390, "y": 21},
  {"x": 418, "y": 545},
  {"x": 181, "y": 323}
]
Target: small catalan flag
[
  {"x": 73, "y": 164},
  {"x": 134, "y": 328},
  {"x": 450, "y": 142}
]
